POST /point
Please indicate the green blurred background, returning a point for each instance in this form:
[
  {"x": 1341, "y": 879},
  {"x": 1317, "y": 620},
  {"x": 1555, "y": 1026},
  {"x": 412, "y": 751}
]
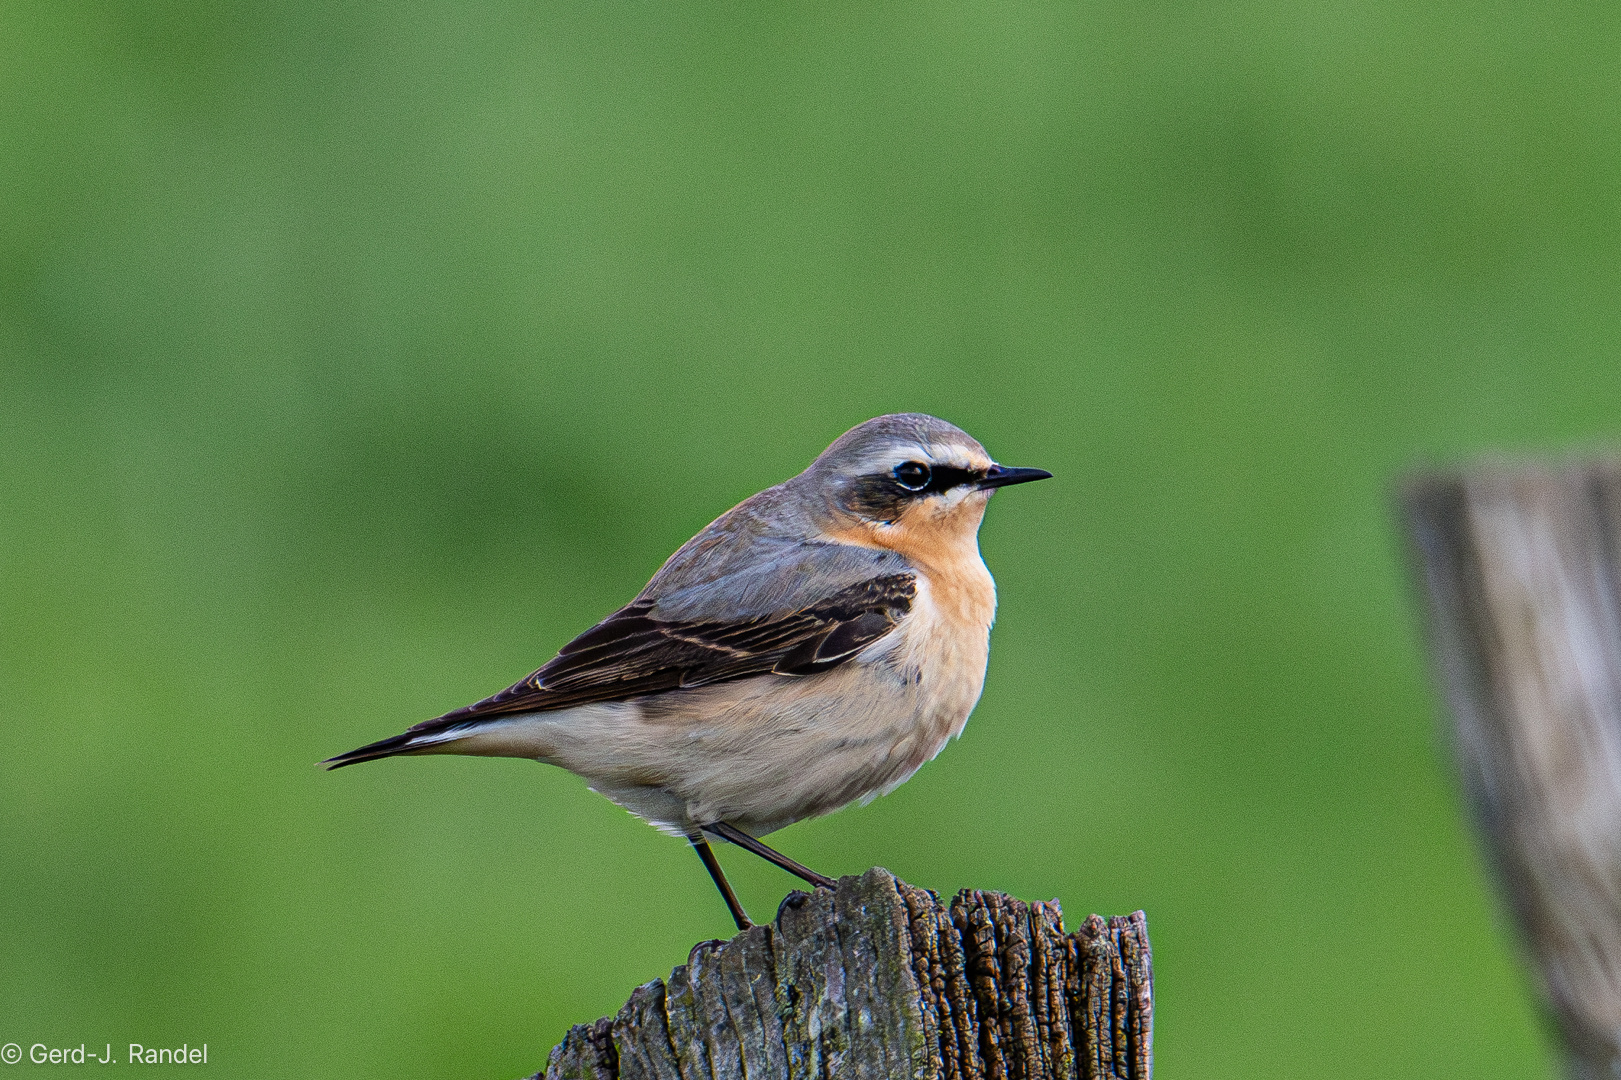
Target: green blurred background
[{"x": 354, "y": 356}]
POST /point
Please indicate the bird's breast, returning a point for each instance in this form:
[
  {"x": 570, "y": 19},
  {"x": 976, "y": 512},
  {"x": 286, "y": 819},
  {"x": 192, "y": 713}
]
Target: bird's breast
[{"x": 944, "y": 643}]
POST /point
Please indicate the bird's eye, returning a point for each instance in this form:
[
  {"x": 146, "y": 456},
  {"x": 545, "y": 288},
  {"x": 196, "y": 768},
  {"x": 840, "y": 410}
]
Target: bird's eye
[{"x": 912, "y": 475}]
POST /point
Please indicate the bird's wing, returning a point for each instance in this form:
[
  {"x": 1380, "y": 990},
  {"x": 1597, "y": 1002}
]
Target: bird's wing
[{"x": 635, "y": 651}]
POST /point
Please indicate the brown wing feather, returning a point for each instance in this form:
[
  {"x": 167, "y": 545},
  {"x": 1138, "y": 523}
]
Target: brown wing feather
[{"x": 630, "y": 653}]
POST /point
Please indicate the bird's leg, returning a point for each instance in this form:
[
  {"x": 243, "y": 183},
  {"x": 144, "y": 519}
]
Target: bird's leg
[
  {"x": 749, "y": 843},
  {"x": 701, "y": 846}
]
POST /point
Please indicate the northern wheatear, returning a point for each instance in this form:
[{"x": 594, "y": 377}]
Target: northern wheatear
[{"x": 814, "y": 646}]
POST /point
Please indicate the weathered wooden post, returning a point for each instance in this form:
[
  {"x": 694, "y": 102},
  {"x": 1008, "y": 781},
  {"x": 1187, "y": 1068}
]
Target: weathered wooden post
[
  {"x": 1520, "y": 568},
  {"x": 878, "y": 979}
]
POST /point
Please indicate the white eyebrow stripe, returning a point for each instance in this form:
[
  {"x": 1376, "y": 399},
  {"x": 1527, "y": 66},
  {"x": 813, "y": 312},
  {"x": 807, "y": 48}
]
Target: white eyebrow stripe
[{"x": 950, "y": 457}]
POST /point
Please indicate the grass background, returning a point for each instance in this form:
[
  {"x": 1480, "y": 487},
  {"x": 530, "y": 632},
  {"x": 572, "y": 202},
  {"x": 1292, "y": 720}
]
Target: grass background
[{"x": 353, "y": 356}]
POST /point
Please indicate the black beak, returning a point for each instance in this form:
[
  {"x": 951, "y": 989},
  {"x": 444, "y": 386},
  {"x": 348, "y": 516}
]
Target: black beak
[{"x": 1002, "y": 476}]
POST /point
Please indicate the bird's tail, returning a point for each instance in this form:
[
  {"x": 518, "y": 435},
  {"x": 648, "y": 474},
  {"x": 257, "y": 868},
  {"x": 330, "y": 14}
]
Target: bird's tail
[
  {"x": 398, "y": 744},
  {"x": 411, "y": 742}
]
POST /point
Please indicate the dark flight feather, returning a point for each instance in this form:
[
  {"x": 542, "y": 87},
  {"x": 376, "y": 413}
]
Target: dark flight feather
[{"x": 630, "y": 654}]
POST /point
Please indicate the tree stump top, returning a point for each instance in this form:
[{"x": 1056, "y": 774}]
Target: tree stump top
[{"x": 880, "y": 979}]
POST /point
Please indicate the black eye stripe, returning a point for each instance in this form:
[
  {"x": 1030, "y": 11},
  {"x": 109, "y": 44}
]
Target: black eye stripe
[
  {"x": 944, "y": 478},
  {"x": 916, "y": 478}
]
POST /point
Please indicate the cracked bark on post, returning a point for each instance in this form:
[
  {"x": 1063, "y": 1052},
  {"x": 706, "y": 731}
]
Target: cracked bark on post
[
  {"x": 1520, "y": 568},
  {"x": 878, "y": 979}
]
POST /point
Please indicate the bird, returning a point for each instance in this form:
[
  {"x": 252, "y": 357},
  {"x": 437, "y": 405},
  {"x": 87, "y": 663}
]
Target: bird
[{"x": 812, "y": 647}]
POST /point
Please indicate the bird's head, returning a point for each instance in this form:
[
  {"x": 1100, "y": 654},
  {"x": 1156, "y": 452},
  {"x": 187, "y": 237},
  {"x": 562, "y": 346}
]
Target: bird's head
[{"x": 908, "y": 480}]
